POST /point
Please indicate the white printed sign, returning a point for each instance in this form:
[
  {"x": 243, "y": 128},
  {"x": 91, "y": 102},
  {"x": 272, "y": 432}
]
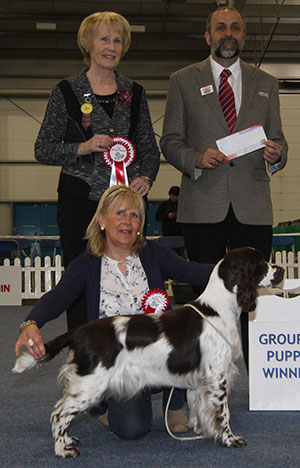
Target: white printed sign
[
  {"x": 10, "y": 285},
  {"x": 274, "y": 352}
]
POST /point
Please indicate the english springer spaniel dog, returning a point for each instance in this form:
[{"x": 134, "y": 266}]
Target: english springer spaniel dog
[{"x": 193, "y": 347}]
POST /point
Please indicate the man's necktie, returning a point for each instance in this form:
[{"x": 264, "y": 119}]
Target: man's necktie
[{"x": 226, "y": 97}]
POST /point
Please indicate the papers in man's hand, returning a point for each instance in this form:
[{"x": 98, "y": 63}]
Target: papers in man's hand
[{"x": 240, "y": 143}]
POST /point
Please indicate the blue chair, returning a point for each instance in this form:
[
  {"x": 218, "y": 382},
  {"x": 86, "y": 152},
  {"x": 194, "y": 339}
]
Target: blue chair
[
  {"x": 9, "y": 249},
  {"x": 280, "y": 243},
  {"x": 49, "y": 247},
  {"x": 25, "y": 247},
  {"x": 174, "y": 242}
]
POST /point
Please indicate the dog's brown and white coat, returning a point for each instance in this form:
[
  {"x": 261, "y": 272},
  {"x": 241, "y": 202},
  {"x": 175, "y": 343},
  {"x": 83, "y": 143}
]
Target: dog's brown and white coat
[{"x": 119, "y": 356}]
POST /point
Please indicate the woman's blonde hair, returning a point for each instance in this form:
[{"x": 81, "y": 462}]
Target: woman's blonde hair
[
  {"x": 90, "y": 25},
  {"x": 110, "y": 201}
]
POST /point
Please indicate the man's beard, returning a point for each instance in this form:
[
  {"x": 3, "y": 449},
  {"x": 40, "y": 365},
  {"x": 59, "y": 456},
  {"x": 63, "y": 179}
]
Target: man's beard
[{"x": 222, "y": 52}]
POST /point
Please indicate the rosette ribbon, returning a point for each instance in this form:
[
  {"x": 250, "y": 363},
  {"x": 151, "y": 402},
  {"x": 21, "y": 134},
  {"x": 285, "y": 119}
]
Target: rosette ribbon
[
  {"x": 155, "y": 301},
  {"x": 118, "y": 158}
]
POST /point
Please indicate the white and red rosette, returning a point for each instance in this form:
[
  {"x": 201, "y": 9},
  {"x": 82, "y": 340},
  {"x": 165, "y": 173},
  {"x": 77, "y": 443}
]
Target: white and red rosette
[
  {"x": 154, "y": 301},
  {"x": 118, "y": 158}
]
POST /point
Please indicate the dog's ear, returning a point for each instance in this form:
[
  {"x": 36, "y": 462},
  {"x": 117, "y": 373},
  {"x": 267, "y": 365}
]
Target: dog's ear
[
  {"x": 247, "y": 294},
  {"x": 243, "y": 268}
]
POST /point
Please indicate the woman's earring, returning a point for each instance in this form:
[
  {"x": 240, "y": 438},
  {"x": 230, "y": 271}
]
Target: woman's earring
[
  {"x": 102, "y": 228},
  {"x": 138, "y": 233}
]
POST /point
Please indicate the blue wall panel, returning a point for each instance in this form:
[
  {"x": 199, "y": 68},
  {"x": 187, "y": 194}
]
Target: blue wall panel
[{"x": 34, "y": 219}]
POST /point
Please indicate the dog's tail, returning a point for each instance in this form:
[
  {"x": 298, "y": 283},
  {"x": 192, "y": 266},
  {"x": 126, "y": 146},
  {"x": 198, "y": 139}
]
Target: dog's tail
[{"x": 53, "y": 347}]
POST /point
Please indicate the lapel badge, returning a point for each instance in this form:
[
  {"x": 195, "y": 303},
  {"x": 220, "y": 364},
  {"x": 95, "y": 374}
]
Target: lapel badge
[
  {"x": 206, "y": 90},
  {"x": 263, "y": 94}
]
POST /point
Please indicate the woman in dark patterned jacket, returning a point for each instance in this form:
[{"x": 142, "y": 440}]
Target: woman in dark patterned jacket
[{"x": 83, "y": 114}]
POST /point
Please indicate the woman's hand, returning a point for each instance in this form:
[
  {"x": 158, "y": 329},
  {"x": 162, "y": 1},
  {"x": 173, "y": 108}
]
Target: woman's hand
[
  {"x": 31, "y": 335},
  {"x": 140, "y": 185},
  {"x": 96, "y": 144}
]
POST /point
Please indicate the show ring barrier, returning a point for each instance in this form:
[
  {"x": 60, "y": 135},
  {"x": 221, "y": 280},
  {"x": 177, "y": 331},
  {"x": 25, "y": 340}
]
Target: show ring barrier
[
  {"x": 37, "y": 277},
  {"x": 274, "y": 349}
]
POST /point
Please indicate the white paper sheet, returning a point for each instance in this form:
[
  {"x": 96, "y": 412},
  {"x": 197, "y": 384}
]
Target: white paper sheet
[{"x": 240, "y": 143}]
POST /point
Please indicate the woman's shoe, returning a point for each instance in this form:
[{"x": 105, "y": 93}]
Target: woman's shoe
[{"x": 178, "y": 421}]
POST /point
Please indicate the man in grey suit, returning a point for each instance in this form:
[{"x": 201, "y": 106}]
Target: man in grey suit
[{"x": 223, "y": 204}]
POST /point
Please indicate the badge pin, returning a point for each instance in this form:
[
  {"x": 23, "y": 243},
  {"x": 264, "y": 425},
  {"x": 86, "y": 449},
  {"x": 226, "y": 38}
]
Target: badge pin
[
  {"x": 263, "y": 94},
  {"x": 206, "y": 90},
  {"x": 86, "y": 108}
]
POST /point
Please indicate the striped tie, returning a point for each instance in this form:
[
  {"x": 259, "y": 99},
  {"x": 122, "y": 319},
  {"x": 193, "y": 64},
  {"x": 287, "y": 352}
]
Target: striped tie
[{"x": 227, "y": 102}]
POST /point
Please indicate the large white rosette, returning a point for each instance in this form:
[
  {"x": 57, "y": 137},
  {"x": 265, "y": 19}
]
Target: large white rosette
[{"x": 118, "y": 158}]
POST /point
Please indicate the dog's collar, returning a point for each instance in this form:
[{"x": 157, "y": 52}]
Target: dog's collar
[{"x": 208, "y": 321}]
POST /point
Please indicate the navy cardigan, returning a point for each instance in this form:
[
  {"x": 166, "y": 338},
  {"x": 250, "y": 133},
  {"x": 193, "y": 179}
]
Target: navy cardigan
[{"x": 83, "y": 277}]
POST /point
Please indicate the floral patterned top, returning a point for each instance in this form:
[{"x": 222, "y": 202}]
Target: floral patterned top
[{"x": 122, "y": 295}]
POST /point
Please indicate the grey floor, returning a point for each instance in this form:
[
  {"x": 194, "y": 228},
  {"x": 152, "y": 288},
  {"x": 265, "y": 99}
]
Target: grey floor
[{"x": 27, "y": 399}]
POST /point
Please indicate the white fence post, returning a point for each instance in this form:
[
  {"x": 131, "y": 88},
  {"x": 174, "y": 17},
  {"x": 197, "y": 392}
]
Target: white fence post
[
  {"x": 290, "y": 263},
  {"x": 36, "y": 277},
  {"x": 58, "y": 268},
  {"x": 297, "y": 267},
  {"x": 47, "y": 274},
  {"x": 26, "y": 279}
]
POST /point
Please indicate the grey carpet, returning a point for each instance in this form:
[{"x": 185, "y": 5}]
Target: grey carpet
[{"x": 27, "y": 400}]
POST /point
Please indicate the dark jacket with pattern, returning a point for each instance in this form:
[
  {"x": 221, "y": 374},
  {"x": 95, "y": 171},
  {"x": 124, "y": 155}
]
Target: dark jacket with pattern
[{"x": 55, "y": 143}]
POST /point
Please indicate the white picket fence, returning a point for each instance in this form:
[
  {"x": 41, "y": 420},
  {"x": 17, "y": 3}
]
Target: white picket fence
[
  {"x": 290, "y": 262},
  {"x": 38, "y": 278}
]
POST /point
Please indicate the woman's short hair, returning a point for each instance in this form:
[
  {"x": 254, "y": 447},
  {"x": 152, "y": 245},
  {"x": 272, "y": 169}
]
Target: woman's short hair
[
  {"x": 110, "y": 201},
  {"x": 92, "y": 23}
]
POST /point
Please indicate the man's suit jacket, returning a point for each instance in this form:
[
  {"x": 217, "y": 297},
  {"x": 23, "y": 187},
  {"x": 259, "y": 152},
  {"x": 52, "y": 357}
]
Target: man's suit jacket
[{"x": 193, "y": 122}]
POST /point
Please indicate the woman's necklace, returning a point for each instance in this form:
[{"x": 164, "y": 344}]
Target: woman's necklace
[{"x": 106, "y": 99}]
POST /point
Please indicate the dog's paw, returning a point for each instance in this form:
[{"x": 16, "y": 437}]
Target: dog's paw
[
  {"x": 234, "y": 441},
  {"x": 238, "y": 441},
  {"x": 68, "y": 452},
  {"x": 71, "y": 441}
]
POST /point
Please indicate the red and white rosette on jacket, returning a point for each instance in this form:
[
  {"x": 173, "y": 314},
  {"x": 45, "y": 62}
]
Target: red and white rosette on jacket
[
  {"x": 154, "y": 301},
  {"x": 118, "y": 158}
]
